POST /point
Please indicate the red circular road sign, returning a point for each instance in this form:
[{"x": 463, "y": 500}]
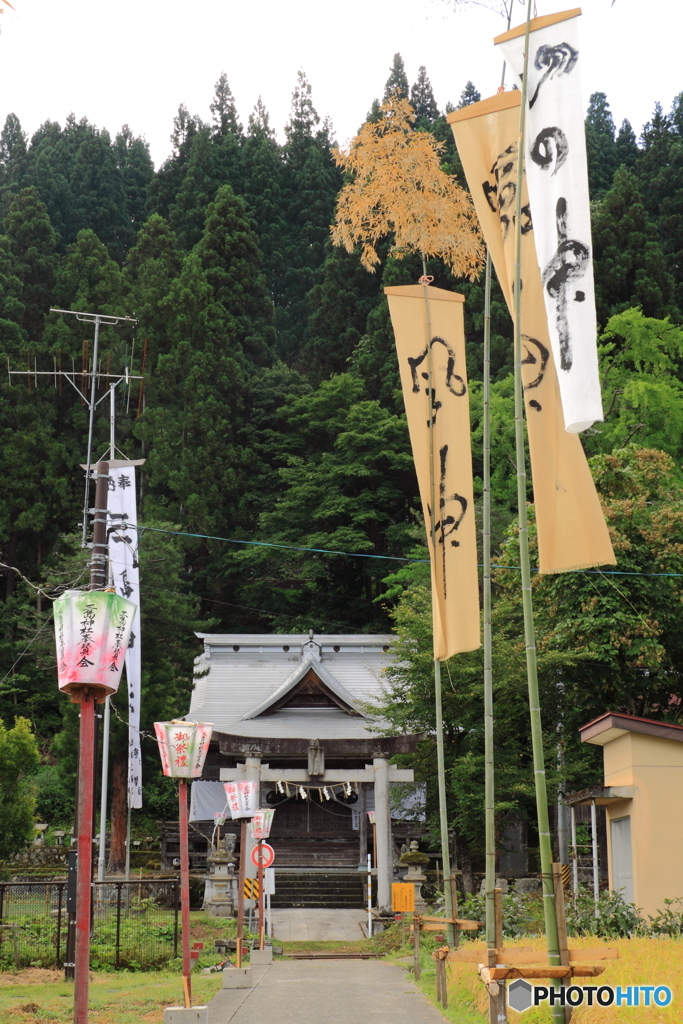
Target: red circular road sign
[{"x": 264, "y": 853}]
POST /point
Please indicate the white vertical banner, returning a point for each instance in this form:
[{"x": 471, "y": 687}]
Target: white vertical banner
[
  {"x": 123, "y": 554},
  {"x": 557, "y": 180}
]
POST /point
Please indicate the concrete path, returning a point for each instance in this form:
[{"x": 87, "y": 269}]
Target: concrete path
[
  {"x": 335, "y": 991},
  {"x": 303, "y": 924}
]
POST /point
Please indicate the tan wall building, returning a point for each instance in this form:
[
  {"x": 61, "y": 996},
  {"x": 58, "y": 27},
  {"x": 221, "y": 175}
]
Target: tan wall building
[{"x": 643, "y": 797}]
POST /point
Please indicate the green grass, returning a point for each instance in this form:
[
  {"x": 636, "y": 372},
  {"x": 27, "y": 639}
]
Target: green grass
[{"x": 121, "y": 998}]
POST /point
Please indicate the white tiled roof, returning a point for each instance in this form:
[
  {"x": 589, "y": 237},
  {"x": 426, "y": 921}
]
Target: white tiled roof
[{"x": 237, "y": 673}]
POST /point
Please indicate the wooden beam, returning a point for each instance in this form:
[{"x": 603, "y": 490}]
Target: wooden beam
[
  {"x": 548, "y": 971},
  {"x": 525, "y": 955},
  {"x": 333, "y": 776}
]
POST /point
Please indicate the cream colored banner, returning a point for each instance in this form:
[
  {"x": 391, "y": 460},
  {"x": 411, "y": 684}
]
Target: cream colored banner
[
  {"x": 572, "y": 533},
  {"x": 440, "y": 407}
]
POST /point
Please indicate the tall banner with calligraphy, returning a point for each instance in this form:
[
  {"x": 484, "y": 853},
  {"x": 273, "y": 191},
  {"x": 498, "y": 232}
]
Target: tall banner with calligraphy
[
  {"x": 572, "y": 533},
  {"x": 557, "y": 178},
  {"x": 442, "y": 409},
  {"x": 123, "y": 555}
]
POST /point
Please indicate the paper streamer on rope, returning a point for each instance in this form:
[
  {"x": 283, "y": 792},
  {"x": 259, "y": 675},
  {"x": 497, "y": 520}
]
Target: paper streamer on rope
[
  {"x": 455, "y": 589},
  {"x": 572, "y": 533},
  {"x": 123, "y": 554},
  {"x": 557, "y": 177}
]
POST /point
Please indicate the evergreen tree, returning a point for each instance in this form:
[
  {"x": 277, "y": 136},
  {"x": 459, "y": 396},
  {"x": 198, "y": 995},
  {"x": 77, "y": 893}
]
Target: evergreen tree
[
  {"x": 660, "y": 173},
  {"x": 626, "y": 145},
  {"x": 227, "y": 136},
  {"x": 422, "y": 101},
  {"x": 199, "y": 186},
  {"x": 263, "y": 196},
  {"x": 339, "y": 306},
  {"x": 137, "y": 171},
  {"x": 397, "y": 82},
  {"x": 470, "y": 94},
  {"x": 601, "y": 149},
  {"x": 12, "y": 159},
  {"x": 310, "y": 185},
  {"x": 151, "y": 267},
  {"x": 630, "y": 267},
  {"x": 32, "y": 242},
  {"x": 169, "y": 178}
]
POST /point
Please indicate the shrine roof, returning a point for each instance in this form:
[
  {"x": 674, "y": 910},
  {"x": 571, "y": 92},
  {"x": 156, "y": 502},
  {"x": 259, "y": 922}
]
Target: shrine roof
[{"x": 244, "y": 683}]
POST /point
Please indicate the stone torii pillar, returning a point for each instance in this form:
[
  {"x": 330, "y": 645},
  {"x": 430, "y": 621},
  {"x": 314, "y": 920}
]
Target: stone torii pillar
[{"x": 383, "y": 827}]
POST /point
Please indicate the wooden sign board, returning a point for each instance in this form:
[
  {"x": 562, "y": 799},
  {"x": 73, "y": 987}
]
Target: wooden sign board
[{"x": 402, "y": 897}]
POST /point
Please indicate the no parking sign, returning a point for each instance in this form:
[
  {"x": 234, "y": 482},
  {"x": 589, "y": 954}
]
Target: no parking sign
[{"x": 262, "y": 855}]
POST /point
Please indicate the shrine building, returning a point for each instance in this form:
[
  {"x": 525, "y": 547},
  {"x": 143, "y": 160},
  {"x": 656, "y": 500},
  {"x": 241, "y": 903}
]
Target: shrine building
[{"x": 291, "y": 712}]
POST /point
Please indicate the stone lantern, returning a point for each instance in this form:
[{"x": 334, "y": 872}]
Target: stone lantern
[
  {"x": 218, "y": 893},
  {"x": 416, "y": 861}
]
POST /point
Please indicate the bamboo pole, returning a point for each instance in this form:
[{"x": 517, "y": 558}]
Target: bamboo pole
[
  {"x": 552, "y": 941},
  {"x": 438, "y": 703},
  {"x": 489, "y": 778}
]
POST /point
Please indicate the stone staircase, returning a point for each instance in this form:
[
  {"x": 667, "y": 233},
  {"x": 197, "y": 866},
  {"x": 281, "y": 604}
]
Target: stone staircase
[{"x": 320, "y": 889}]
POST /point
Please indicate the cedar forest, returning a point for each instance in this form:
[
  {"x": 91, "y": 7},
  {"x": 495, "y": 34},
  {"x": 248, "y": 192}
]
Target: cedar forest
[{"x": 271, "y": 411}]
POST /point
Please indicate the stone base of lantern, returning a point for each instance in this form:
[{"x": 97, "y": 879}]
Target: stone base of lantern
[
  {"x": 258, "y": 957},
  {"x": 186, "y": 1015},
  {"x": 237, "y": 977}
]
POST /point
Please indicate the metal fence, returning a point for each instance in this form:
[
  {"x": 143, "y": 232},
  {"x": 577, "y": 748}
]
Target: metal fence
[{"x": 134, "y": 924}]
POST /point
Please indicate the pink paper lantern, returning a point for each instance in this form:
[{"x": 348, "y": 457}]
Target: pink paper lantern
[
  {"x": 183, "y": 747},
  {"x": 242, "y": 797},
  {"x": 92, "y": 628}
]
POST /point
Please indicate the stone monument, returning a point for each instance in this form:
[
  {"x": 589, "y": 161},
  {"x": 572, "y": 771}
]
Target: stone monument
[{"x": 218, "y": 895}]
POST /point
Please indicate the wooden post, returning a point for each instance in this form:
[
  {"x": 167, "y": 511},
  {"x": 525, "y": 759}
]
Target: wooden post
[
  {"x": 240, "y": 892},
  {"x": 417, "y": 922},
  {"x": 497, "y": 1002},
  {"x": 558, "y": 884},
  {"x": 261, "y": 900},
  {"x": 184, "y": 888},
  {"x": 454, "y": 904}
]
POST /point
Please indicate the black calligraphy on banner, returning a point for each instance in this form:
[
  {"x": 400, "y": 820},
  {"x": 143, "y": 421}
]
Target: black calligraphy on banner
[
  {"x": 556, "y": 60},
  {"x": 452, "y": 381},
  {"x": 569, "y": 263},
  {"x": 447, "y": 524},
  {"x": 501, "y": 191},
  {"x": 550, "y": 149},
  {"x": 536, "y": 354}
]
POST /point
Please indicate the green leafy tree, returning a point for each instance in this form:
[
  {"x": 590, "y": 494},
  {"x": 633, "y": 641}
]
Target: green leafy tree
[
  {"x": 262, "y": 191},
  {"x": 18, "y": 761},
  {"x": 641, "y": 361}
]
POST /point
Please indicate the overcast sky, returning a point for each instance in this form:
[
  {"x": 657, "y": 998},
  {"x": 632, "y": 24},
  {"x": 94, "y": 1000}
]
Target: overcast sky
[{"x": 134, "y": 63}]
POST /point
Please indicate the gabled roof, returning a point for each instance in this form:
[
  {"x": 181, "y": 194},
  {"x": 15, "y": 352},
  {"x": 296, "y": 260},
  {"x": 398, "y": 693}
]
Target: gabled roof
[
  {"x": 246, "y": 684},
  {"x": 613, "y": 724},
  {"x": 311, "y": 670}
]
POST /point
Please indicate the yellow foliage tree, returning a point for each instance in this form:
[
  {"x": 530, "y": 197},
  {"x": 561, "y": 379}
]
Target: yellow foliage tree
[{"x": 398, "y": 187}]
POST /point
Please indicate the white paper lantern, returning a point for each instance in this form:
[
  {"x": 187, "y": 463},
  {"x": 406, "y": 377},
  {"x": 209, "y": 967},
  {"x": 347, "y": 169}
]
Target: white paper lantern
[
  {"x": 242, "y": 798},
  {"x": 183, "y": 747},
  {"x": 92, "y": 628}
]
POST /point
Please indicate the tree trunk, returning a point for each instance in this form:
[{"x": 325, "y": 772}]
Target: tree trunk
[
  {"x": 11, "y": 552},
  {"x": 119, "y": 812},
  {"x": 466, "y": 866}
]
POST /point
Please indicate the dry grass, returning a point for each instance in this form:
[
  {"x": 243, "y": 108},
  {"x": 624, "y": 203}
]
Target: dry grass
[{"x": 643, "y": 961}]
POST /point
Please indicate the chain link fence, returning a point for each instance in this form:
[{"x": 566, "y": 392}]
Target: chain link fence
[{"x": 134, "y": 924}]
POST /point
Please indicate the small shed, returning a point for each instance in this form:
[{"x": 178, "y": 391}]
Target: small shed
[{"x": 643, "y": 799}]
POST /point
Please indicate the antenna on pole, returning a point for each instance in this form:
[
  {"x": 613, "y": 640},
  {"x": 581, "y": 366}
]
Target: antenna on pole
[{"x": 114, "y": 379}]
